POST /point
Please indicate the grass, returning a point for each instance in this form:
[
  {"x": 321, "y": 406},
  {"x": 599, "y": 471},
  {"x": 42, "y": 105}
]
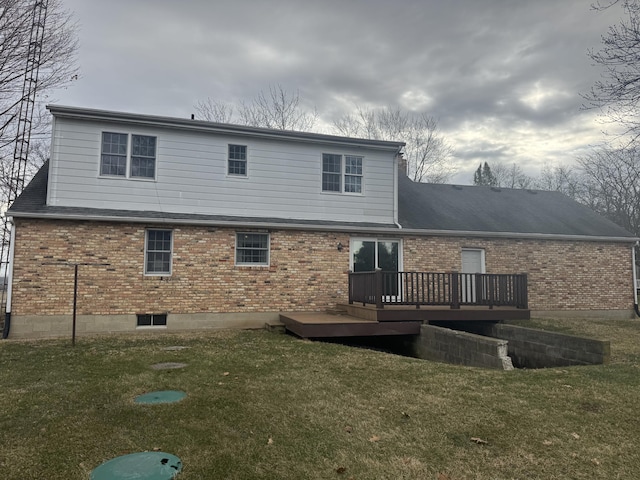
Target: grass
[{"x": 268, "y": 406}]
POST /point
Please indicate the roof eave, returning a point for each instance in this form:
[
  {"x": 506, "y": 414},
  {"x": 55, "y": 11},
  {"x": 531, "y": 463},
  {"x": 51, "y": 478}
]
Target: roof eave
[
  {"x": 209, "y": 222},
  {"x": 522, "y": 235},
  {"x": 392, "y": 229},
  {"x": 212, "y": 127}
]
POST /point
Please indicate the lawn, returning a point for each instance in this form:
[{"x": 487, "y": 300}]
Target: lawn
[{"x": 270, "y": 406}]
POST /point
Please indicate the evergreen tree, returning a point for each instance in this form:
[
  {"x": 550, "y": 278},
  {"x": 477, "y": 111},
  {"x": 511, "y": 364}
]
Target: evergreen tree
[
  {"x": 477, "y": 177},
  {"x": 483, "y": 176}
]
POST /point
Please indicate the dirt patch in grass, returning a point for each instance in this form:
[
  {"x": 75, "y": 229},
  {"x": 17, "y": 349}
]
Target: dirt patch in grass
[{"x": 265, "y": 406}]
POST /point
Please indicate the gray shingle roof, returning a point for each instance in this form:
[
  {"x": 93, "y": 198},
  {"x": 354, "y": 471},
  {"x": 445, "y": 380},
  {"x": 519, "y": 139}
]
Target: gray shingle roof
[
  {"x": 32, "y": 202},
  {"x": 421, "y": 207},
  {"x": 458, "y": 208}
]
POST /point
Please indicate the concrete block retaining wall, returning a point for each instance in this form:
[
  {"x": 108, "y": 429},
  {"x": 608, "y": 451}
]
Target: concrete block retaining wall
[
  {"x": 462, "y": 348},
  {"x": 530, "y": 348}
]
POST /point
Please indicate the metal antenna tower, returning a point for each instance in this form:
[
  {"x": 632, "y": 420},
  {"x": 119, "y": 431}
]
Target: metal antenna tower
[{"x": 23, "y": 133}]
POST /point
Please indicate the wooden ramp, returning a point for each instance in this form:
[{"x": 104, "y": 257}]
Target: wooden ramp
[{"x": 325, "y": 325}]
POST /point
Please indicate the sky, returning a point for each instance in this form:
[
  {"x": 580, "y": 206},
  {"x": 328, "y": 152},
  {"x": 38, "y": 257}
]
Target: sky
[{"x": 503, "y": 78}]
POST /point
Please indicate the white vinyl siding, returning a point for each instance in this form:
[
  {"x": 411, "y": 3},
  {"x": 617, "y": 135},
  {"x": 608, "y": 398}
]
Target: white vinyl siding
[{"x": 192, "y": 176}]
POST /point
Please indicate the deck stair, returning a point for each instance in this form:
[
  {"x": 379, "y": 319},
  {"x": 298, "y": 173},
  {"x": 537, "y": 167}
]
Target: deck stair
[{"x": 325, "y": 325}]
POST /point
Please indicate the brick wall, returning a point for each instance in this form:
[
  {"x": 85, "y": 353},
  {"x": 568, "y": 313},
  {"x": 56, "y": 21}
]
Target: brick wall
[
  {"x": 307, "y": 272},
  {"x": 562, "y": 275}
]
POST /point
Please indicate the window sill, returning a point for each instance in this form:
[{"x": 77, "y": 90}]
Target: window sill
[
  {"x": 123, "y": 177},
  {"x": 253, "y": 267},
  {"x": 349, "y": 194},
  {"x": 151, "y": 327}
]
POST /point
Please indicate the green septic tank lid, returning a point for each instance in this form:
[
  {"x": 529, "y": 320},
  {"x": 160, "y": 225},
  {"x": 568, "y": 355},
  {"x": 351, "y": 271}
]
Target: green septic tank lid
[
  {"x": 139, "y": 466},
  {"x": 163, "y": 396}
]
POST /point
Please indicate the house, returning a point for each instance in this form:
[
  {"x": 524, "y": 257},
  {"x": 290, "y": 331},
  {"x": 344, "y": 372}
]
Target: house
[{"x": 184, "y": 224}]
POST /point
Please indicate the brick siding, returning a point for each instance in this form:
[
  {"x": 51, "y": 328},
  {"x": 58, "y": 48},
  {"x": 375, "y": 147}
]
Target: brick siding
[
  {"x": 306, "y": 272},
  {"x": 562, "y": 275}
]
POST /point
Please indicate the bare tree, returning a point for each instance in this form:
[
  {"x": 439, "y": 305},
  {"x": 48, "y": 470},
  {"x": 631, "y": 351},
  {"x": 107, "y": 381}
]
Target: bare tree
[
  {"x": 277, "y": 108},
  {"x": 511, "y": 176},
  {"x": 215, "y": 111},
  {"x": 617, "y": 95},
  {"x": 560, "y": 178},
  {"x": 611, "y": 185},
  {"x": 57, "y": 68},
  {"x": 427, "y": 152}
]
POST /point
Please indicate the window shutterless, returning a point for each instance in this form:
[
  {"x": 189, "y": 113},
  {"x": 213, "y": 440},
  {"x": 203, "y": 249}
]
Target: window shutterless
[
  {"x": 341, "y": 173},
  {"x": 158, "y": 250},
  {"x": 118, "y": 160},
  {"x": 252, "y": 249},
  {"x": 237, "y": 161}
]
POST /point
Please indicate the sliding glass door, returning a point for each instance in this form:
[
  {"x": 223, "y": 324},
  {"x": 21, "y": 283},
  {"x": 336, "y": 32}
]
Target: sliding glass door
[{"x": 367, "y": 254}]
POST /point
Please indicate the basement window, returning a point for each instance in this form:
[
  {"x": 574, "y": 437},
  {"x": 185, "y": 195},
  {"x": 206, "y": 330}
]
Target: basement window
[{"x": 152, "y": 320}]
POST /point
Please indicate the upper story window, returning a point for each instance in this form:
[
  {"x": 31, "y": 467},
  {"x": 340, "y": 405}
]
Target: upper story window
[
  {"x": 157, "y": 255},
  {"x": 237, "y": 163},
  {"x": 352, "y": 174},
  {"x": 341, "y": 174},
  {"x": 114, "y": 154},
  {"x": 252, "y": 249},
  {"x": 143, "y": 156},
  {"x": 117, "y": 156}
]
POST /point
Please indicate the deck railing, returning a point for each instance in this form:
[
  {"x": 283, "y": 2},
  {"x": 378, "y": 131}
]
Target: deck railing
[{"x": 451, "y": 289}]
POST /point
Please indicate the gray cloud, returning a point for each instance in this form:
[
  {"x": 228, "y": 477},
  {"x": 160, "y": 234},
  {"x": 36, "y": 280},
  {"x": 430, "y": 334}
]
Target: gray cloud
[{"x": 502, "y": 77}]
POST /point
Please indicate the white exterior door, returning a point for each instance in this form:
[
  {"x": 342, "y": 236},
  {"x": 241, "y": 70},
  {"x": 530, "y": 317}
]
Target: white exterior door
[{"x": 472, "y": 262}]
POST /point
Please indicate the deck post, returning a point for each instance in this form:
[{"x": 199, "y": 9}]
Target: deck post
[
  {"x": 455, "y": 289},
  {"x": 379, "y": 289},
  {"x": 492, "y": 291},
  {"x": 524, "y": 294},
  {"x": 350, "y": 287}
]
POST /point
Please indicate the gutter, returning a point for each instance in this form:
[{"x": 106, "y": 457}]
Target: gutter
[{"x": 9, "y": 274}]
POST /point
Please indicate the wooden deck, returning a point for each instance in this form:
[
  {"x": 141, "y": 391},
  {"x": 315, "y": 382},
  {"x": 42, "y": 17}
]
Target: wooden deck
[
  {"x": 362, "y": 321},
  {"x": 393, "y": 313},
  {"x": 325, "y": 325}
]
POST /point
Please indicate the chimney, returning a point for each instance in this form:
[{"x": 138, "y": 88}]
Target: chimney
[{"x": 403, "y": 166}]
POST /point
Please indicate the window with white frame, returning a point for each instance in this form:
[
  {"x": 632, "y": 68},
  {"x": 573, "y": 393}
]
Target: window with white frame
[
  {"x": 114, "y": 154},
  {"x": 143, "y": 156},
  {"x": 118, "y": 160},
  {"x": 237, "y": 162},
  {"x": 341, "y": 174},
  {"x": 352, "y": 174},
  {"x": 252, "y": 249},
  {"x": 158, "y": 246}
]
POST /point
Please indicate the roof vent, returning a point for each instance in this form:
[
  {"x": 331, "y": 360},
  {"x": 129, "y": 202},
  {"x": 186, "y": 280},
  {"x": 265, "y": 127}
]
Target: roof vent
[
  {"x": 457, "y": 187},
  {"x": 496, "y": 189},
  {"x": 532, "y": 192}
]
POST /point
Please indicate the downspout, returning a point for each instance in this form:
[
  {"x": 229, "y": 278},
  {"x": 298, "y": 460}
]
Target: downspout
[
  {"x": 396, "y": 173},
  {"x": 635, "y": 278},
  {"x": 9, "y": 274}
]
